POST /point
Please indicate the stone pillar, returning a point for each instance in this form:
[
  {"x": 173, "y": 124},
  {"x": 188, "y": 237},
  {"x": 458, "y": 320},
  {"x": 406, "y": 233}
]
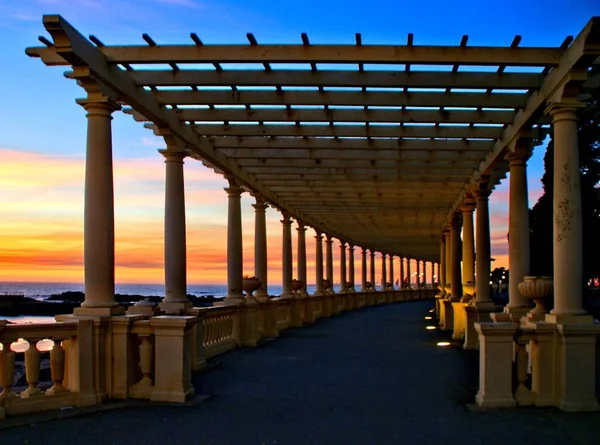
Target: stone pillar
[
  {"x": 351, "y": 265},
  {"x": 343, "y": 287},
  {"x": 363, "y": 286},
  {"x": 408, "y": 274},
  {"x": 568, "y": 257},
  {"x": 432, "y": 274},
  {"x": 392, "y": 270},
  {"x": 373, "y": 268},
  {"x": 99, "y": 214},
  {"x": 448, "y": 263},
  {"x": 260, "y": 247},
  {"x": 418, "y": 274},
  {"x": 401, "y": 273},
  {"x": 383, "y": 272},
  {"x": 302, "y": 257},
  {"x": 319, "y": 264},
  {"x": 234, "y": 244},
  {"x": 442, "y": 264},
  {"x": 468, "y": 247},
  {"x": 518, "y": 227},
  {"x": 175, "y": 243},
  {"x": 482, "y": 246},
  {"x": 286, "y": 270},
  {"x": 456, "y": 279},
  {"x": 329, "y": 246}
]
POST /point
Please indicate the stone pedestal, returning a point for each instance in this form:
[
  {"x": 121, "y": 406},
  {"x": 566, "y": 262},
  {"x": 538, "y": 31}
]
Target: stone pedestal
[
  {"x": 447, "y": 320},
  {"x": 495, "y": 365}
]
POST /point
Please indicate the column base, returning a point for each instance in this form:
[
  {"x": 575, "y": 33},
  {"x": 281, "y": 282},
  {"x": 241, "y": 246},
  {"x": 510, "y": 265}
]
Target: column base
[
  {"x": 174, "y": 308},
  {"x": 99, "y": 311},
  {"x": 569, "y": 319},
  {"x": 147, "y": 311},
  {"x": 517, "y": 312},
  {"x": 230, "y": 301}
]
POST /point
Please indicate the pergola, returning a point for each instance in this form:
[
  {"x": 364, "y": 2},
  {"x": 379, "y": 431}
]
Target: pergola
[
  {"x": 377, "y": 145},
  {"x": 388, "y": 148}
]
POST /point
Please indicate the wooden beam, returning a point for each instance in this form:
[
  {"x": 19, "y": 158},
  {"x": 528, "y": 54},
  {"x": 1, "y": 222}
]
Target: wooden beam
[
  {"x": 341, "y": 98},
  {"x": 337, "y": 78},
  {"x": 383, "y": 131},
  {"x": 457, "y": 171},
  {"x": 437, "y": 165},
  {"x": 388, "y": 54},
  {"x": 349, "y": 144}
]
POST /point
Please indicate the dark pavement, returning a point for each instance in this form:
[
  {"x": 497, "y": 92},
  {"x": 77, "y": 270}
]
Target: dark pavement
[{"x": 374, "y": 376}]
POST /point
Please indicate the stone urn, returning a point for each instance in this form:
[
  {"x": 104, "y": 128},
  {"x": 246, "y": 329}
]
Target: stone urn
[
  {"x": 369, "y": 286},
  {"x": 250, "y": 284},
  {"x": 468, "y": 291},
  {"x": 388, "y": 285},
  {"x": 538, "y": 289},
  {"x": 326, "y": 285},
  {"x": 349, "y": 286},
  {"x": 296, "y": 285}
]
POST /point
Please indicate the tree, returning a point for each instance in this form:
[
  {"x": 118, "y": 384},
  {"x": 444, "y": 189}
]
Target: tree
[{"x": 541, "y": 215}]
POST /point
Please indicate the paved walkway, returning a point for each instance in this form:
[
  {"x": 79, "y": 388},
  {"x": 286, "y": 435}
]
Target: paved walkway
[{"x": 373, "y": 376}]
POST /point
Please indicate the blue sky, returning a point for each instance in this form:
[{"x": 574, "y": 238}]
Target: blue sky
[{"x": 39, "y": 116}]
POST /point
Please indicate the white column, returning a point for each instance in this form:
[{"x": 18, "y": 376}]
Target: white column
[
  {"x": 286, "y": 269},
  {"x": 260, "y": 246},
  {"x": 372, "y": 274},
  {"x": 448, "y": 262},
  {"x": 401, "y": 272},
  {"x": 468, "y": 246},
  {"x": 442, "y": 264},
  {"x": 99, "y": 214},
  {"x": 482, "y": 246},
  {"x": 383, "y": 271},
  {"x": 175, "y": 241},
  {"x": 343, "y": 287},
  {"x": 568, "y": 247},
  {"x": 456, "y": 254},
  {"x": 329, "y": 246},
  {"x": 364, "y": 279},
  {"x": 518, "y": 229},
  {"x": 432, "y": 274},
  {"x": 410, "y": 284},
  {"x": 319, "y": 263},
  {"x": 439, "y": 272},
  {"x": 351, "y": 265},
  {"x": 418, "y": 274},
  {"x": 392, "y": 270},
  {"x": 302, "y": 257},
  {"x": 234, "y": 243}
]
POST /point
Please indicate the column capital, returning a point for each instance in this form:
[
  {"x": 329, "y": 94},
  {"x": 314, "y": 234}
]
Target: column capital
[
  {"x": 287, "y": 219},
  {"x": 260, "y": 203},
  {"x": 468, "y": 205},
  {"x": 233, "y": 191},
  {"x": 173, "y": 155},
  {"x": 99, "y": 105},
  {"x": 519, "y": 157},
  {"x": 328, "y": 238},
  {"x": 455, "y": 221},
  {"x": 351, "y": 247},
  {"x": 318, "y": 235},
  {"x": 372, "y": 252},
  {"x": 482, "y": 191},
  {"x": 563, "y": 110},
  {"x": 301, "y": 227}
]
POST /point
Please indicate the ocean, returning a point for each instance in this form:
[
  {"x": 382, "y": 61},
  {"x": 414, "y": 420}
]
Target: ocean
[{"x": 41, "y": 291}]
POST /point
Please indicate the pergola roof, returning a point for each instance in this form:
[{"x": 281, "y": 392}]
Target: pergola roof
[{"x": 377, "y": 145}]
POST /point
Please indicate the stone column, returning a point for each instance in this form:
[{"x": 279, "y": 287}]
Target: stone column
[
  {"x": 363, "y": 286},
  {"x": 468, "y": 247},
  {"x": 442, "y": 264},
  {"x": 234, "y": 244},
  {"x": 319, "y": 264},
  {"x": 408, "y": 274},
  {"x": 260, "y": 247},
  {"x": 392, "y": 270},
  {"x": 343, "y": 287},
  {"x": 373, "y": 268},
  {"x": 302, "y": 257},
  {"x": 418, "y": 274},
  {"x": 351, "y": 265},
  {"x": 518, "y": 230},
  {"x": 448, "y": 262},
  {"x": 455, "y": 264},
  {"x": 99, "y": 214},
  {"x": 568, "y": 248},
  {"x": 175, "y": 242},
  {"x": 432, "y": 274},
  {"x": 329, "y": 246},
  {"x": 383, "y": 272},
  {"x": 482, "y": 246},
  {"x": 401, "y": 272},
  {"x": 287, "y": 291}
]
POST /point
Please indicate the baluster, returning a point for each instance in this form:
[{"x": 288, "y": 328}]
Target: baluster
[
  {"x": 206, "y": 331},
  {"x": 225, "y": 329},
  {"x": 32, "y": 371},
  {"x": 146, "y": 360},
  {"x": 523, "y": 395},
  {"x": 57, "y": 369},
  {"x": 7, "y": 371}
]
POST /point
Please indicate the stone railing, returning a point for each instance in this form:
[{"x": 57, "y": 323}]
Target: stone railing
[
  {"x": 35, "y": 346},
  {"x": 219, "y": 335},
  {"x": 144, "y": 356}
]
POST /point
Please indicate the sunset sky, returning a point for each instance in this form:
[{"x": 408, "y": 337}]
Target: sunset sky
[{"x": 43, "y": 130}]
